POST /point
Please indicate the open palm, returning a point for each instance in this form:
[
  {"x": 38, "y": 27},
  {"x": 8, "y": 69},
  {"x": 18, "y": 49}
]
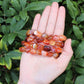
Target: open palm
[{"x": 40, "y": 69}]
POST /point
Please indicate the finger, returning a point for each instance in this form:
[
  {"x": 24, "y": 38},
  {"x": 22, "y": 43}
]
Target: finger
[
  {"x": 44, "y": 19},
  {"x": 52, "y": 18},
  {"x": 36, "y": 21},
  {"x": 66, "y": 54},
  {"x": 60, "y": 24}
]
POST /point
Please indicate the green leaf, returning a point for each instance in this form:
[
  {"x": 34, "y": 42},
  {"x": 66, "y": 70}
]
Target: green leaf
[
  {"x": 37, "y": 5},
  {"x": 10, "y": 12},
  {"x": 80, "y": 50},
  {"x": 77, "y": 32},
  {"x": 68, "y": 78},
  {"x": 18, "y": 26},
  {"x": 69, "y": 66},
  {"x": 0, "y": 2},
  {"x": 8, "y": 20},
  {"x": 8, "y": 62},
  {"x": 80, "y": 62},
  {"x": 23, "y": 14},
  {"x": 23, "y": 3},
  {"x": 14, "y": 77},
  {"x": 73, "y": 11},
  {"x": 79, "y": 70},
  {"x": 22, "y": 34},
  {"x": 11, "y": 37},
  {"x": 2, "y": 62},
  {"x": 7, "y": 78},
  {"x": 4, "y": 29},
  {"x": 3, "y": 45},
  {"x": 1, "y": 20},
  {"x": 14, "y": 55},
  {"x": 5, "y": 4},
  {"x": 16, "y": 5},
  {"x": 1, "y": 83},
  {"x": 59, "y": 80},
  {"x": 75, "y": 43},
  {"x": 80, "y": 18},
  {"x": 0, "y": 35},
  {"x": 80, "y": 79},
  {"x": 55, "y": 1}
]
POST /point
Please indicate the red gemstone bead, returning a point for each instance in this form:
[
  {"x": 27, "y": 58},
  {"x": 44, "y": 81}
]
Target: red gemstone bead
[
  {"x": 46, "y": 48},
  {"x": 39, "y": 39}
]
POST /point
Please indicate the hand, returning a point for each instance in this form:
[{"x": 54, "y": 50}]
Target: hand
[{"x": 43, "y": 70}]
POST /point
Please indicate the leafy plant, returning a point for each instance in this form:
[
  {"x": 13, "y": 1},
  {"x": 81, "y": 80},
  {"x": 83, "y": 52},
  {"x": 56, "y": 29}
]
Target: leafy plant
[{"x": 16, "y": 17}]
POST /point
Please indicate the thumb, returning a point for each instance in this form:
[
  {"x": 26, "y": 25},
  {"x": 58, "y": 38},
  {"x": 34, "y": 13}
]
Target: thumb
[{"x": 66, "y": 54}]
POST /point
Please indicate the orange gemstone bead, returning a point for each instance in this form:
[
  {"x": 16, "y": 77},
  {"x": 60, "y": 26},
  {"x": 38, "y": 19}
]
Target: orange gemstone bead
[
  {"x": 38, "y": 52},
  {"x": 59, "y": 43},
  {"x": 52, "y": 42},
  {"x": 50, "y": 54},
  {"x": 29, "y": 39},
  {"x": 27, "y": 50},
  {"x": 62, "y": 38},
  {"x": 29, "y": 32},
  {"x": 50, "y": 37},
  {"x": 56, "y": 37},
  {"x": 40, "y": 46},
  {"x": 44, "y": 35},
  {"x": 58, "y": 50},
  {"x": 37, "y": 33},
  {"x": 55, "y": 55},
  {"x": 22, "y": 42},
  {"x": 44, "y": 53},
  {"x": 35, "y": 46},
  {"x": 33, "y": 51},
  {"x": 46, "y": 41},
  {"x": 22, "y": 49},
  {"x": 43, "y": 44}
]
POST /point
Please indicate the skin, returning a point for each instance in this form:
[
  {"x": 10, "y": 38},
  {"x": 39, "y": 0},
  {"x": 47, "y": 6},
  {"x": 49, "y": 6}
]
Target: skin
[{"x": 40, "y": 69}]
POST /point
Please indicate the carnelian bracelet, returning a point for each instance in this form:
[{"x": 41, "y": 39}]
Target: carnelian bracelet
[{"x": 43, "y": 44}]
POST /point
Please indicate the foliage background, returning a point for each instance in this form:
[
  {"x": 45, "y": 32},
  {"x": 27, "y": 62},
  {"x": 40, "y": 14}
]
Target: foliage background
[{"x": 16, "y": 17}]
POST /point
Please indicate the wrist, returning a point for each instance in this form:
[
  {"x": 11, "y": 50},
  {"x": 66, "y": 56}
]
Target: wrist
[
  {"x": 30, "y": 82},
  {"x": 26, "y": 82}
]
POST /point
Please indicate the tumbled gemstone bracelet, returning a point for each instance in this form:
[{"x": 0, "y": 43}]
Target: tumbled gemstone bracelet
[{"x": 43, "y": 44}]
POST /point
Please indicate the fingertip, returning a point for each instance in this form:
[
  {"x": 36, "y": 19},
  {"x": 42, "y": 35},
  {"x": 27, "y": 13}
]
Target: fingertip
[
  {"x": 67, "y": 46},
  {"x": 38, "y": 15},
  {"x": 55, "y": 3}
]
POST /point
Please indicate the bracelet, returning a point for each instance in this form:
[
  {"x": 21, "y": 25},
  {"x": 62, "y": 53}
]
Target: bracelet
[{"x": 43, "y": 44}]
